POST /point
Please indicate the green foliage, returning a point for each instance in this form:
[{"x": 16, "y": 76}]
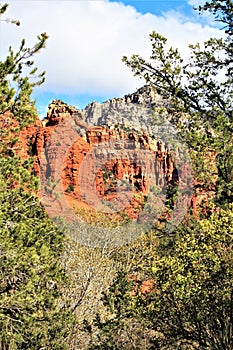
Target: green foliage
[
  {"x": 70, "y": 188},
  {"x": 16, "y": 84},
  {"x": 190, "y": 305},
  {"x": 223, "y": 12},
  {"x": 119, "y": 303},
  {"x": 201, "y": 89},
  {"x": 31, "y": 278},
  {"x": 32, "y": 313}
]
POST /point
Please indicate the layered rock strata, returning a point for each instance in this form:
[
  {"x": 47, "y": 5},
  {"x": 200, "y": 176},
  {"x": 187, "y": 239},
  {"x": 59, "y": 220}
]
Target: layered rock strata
[{"x": 108, "y": 157}]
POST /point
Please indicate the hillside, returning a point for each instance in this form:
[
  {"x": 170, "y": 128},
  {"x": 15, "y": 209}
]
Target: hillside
[{"x": 116, "y": 158}]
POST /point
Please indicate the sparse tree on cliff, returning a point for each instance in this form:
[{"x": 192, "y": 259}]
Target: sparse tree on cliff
[{"x": 30, "y": 246}]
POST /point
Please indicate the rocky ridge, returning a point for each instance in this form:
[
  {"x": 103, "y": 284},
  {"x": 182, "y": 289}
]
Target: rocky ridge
[{"x": 118, "y": 153}]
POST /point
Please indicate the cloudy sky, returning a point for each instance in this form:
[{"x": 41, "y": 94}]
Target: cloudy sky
[{"x": 87, "y": 39}]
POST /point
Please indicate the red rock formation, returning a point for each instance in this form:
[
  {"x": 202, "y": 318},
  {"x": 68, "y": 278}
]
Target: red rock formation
[
  {"x": 143, "y": 286},
  {"x": 120, "y": 167}
]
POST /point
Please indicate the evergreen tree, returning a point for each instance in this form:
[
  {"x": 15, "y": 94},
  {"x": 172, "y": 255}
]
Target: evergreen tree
[
  {"x": 202, "y": 89},
  {"x": 32, "y": 315},
  {"x": 190, "y": 305}
]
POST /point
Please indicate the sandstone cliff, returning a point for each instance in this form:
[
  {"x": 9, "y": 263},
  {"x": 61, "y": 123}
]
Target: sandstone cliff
[{"x": 121, "y": 156}]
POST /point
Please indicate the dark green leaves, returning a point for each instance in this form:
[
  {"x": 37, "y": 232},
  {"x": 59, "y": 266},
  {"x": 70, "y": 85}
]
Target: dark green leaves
[{"x": 32, "y": 315}]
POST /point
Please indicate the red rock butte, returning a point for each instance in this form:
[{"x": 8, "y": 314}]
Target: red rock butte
[{"x": 123, "y": 180}]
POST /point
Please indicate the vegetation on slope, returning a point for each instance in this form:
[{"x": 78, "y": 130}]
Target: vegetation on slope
[
  {"x": 189, "y": 304},
  {"x": 31, "y": 274},
  {"x": 158, "y": 292}
]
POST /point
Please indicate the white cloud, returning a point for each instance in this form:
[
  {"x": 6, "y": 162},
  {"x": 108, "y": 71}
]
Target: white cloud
[
  {"x": 87, "y": 40},
  {"x": 196, "y": 2}
]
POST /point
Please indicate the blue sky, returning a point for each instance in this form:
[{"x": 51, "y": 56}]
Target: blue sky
[
  {"x": 87, "y": 40},
  {"x": 159, "y": 6}
]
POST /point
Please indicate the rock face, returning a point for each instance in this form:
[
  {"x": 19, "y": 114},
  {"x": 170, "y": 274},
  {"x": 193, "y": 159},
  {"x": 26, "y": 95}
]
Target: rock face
[
  {"x": 108, "y": 156},
  {"x": 58, "y": 111}
]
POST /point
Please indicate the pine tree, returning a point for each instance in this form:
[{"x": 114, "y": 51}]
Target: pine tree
[
  {"x": 190, "y": 301},
  {"x": 190, "y": 305},
  {"x": 202, "y": 89},
  {"x": 32, "y": 315}
]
